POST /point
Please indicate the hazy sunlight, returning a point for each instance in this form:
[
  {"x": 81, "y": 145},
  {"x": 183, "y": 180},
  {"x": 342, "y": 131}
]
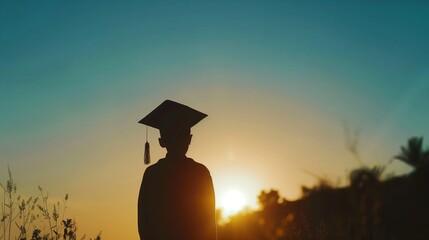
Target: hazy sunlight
[{"x": 232, "y": 202}]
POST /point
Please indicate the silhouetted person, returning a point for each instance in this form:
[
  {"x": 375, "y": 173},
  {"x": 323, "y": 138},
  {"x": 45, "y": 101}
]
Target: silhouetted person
[{"x": 176, "y": 199}]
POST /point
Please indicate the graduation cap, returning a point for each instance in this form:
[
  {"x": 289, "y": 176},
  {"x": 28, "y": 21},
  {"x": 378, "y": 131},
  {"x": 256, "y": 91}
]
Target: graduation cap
[{"x": 170, "y": 118}]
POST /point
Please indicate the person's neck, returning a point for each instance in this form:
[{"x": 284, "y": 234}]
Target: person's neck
[{"x": 175, "y": 155}]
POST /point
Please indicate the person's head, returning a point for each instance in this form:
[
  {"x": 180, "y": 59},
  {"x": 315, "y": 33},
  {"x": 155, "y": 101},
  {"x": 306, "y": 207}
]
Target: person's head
[
  {"x": 174, "y": 121},
  {"x": 175, "y": 141}
]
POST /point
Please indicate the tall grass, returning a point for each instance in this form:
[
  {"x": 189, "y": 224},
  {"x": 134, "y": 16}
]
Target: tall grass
[{"x": 34, "y": 218}]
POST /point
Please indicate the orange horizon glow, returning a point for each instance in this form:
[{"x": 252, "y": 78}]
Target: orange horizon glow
[{"x": 244, "y": 150}]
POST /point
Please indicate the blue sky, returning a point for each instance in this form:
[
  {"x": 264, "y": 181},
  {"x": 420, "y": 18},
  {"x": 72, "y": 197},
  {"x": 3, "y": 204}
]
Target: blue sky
[
  {"x": 71, "y": 53},
  {"x": 79, "y": 75}
]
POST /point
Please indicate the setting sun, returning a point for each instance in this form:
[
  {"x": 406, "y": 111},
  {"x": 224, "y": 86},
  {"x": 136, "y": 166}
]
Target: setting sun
[{"x": 232, "y": 202}]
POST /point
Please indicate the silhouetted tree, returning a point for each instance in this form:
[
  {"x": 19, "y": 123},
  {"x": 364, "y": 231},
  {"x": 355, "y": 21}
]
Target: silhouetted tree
[
  {"x": 413, "y": 153},
  {"x": 268, "y": 199},
  {"x": 364, "y": 176}
]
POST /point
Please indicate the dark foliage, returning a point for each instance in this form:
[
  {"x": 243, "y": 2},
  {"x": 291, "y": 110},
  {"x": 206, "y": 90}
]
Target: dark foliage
[
  {"x": 414, "y": 154},
  {"x": 368, "y": 209}
]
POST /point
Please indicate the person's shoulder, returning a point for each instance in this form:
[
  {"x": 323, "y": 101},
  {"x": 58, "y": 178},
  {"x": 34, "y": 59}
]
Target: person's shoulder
[
  {"x": 199, "y": 166},
  {"x": 155, "y": 167}
]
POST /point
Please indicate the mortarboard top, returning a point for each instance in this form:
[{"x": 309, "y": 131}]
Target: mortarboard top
[{"x": 171, "y": 115}]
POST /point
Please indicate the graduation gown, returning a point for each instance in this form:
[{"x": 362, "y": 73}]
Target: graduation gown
[{"x": 176, "y": 201}]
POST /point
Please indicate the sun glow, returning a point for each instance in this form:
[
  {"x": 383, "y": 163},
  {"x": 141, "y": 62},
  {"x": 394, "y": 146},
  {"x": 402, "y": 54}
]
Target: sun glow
[{"x": 232, "y": 202}]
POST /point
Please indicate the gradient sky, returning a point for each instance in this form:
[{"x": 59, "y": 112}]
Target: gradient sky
[{"x": 278, "y": 80}]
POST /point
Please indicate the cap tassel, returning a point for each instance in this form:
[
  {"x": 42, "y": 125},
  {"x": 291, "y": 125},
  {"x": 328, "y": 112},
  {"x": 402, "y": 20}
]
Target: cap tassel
[
  {"x": 146, "y": 150},
  {"x": 146, "y": 153}
]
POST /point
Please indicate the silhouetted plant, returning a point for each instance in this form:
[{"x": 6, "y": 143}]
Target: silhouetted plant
[
  {"x": 364, "y": 176},
  {"x": 15, "y": 210},
  {"x": 26, "y": 215},
  {"x": 413, "y": 153},
  {"x": 37, "y": 235},
  {"x": 8, "y": 206}
]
